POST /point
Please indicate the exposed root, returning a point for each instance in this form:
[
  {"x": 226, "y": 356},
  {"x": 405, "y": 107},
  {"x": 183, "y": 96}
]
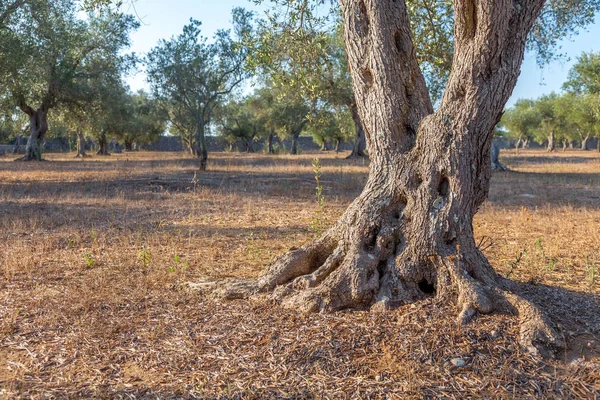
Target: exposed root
[
  {"x": 365, "y": 263},
  {"x": 537, "y": 334}
]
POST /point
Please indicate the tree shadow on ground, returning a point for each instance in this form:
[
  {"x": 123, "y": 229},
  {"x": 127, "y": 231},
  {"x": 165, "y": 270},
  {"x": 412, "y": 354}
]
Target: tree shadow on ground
[{"x": 576, "y": 315}]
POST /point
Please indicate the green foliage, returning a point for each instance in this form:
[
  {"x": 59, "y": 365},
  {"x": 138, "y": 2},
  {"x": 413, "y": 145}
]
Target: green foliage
[
  {"x": 296, "y": 49},
  {"x": 50, "y": 55},
  {"x": 89, "y": 260},
  {"x": 521, "y": 120},
  {"x": 144, "y": 256},
  {"x": 190, "y": 76},
  {"x": 584, "y": 76}
]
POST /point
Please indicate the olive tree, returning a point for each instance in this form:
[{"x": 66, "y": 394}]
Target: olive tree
[
  {"x": 584, "y": 81},
  {"x": 191, "y": 75},
  {"x": 409, "y": 234},
  {"x": 50, "y": 55},
  {"x": 521, "y": 120}
]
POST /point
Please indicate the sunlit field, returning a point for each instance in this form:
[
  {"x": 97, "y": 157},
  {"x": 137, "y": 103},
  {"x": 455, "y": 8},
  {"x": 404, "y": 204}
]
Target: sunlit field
[{"x": 96, "y": 256}]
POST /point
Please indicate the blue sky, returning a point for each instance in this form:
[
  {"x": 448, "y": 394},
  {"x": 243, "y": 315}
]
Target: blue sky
[{"x": 162, "y": 19}]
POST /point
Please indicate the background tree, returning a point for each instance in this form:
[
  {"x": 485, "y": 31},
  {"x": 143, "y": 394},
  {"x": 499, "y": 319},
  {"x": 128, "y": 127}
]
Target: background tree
[
  {"x": 48, "y": 55},
  {"x": 237, "y": 120},
  {"x": 145, "y": 120},
  {"x": 584, "y": 80},
  {"x": 192, "y": 76},
  {"x": 521, "y": 120}
]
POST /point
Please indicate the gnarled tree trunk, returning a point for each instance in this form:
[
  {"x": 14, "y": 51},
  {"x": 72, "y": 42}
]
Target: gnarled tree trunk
[
  {"x": 80, "y": 145},
  {"x": 270, "y": 142},
  {"x": 128, "y": 144},
  {"x": 102, "y": 145},
  {"x": 38, "y": 126},
  {"x": 17, "y": 146},
  {"x": 295, "y": 135},
  {"x": 550, "y": 141},
  {"x": 358, "y": 150},
  {"x": 495, "y": 154},
  {"x": 249, "y": 147},
  {"x": 584, "y": 142},
  {"x": 200, "y": 149},
  {"x": 409, "y": 234}
]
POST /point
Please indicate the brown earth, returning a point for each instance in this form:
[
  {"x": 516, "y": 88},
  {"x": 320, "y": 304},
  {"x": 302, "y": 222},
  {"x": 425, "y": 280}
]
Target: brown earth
[{"x": 95, "y": 256}]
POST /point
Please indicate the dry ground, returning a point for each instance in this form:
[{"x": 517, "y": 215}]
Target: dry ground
[{"x": 95, "y": 254}]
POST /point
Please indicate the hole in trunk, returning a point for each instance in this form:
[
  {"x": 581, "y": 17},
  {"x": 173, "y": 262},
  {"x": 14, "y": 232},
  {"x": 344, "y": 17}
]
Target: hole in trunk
[
  {"x": 400, "y": 45},
  {"x": 372, "y": 239},
  {"x": 368, "y": 77},
  {"x": 417, "y": 180},
  {"x": 426, "y": 287},
  {"x": 444, "y": 187}
]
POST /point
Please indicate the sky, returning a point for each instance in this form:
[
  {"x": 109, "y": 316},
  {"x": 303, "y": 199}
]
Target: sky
[{"x": 162, "y": 19}]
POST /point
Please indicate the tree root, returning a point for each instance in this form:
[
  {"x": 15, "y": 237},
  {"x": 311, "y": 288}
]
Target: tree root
[{"x": 328, "y": 275}]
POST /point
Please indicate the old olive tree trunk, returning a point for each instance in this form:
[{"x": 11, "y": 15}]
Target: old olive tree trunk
[{"x": 409, "y": 235}]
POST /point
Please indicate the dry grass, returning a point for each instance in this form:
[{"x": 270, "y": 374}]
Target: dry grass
[{"x": 94, "y": 255}]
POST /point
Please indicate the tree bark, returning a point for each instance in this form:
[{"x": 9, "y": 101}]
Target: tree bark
[
  {"x": 128, "y": 145},
  {"x": 38, "y": 126},
  {"x": 565, "y": 144},
  {"x": 550, "y": 141},
  {"x": 358, "y": 150},
  {"x": 295, "y": 135},
  {"x": 249, "y": 147},
  {"x": 525, "y": 143},
  {"x": 17, "y": 146},
  {"x": 80, "y": 145},
  {"x": 201, "y": 152},
  {"x": 409, "y": 234},
  {"x": 518, "y": 144},
  {"x": 337, "y": 145},
  {"x": 324, "y": 146},
  {"x": 270, "y": 142},
  {"x": 102, "y": 145},
  {"x": 584, "y": 142},
  {"x": 495, "y": 154}
]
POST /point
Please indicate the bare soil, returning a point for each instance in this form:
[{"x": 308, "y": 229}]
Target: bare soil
[{"x": 96, "y": 256}]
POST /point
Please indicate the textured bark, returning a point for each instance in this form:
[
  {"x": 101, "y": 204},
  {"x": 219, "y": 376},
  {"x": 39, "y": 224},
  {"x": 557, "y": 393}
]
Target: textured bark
[
  {"x": 409, "y": 234},
  {"x": 102, "y": 145},
  {"x": 38, "y": 126},
  {"x": 80, "y": 145},
  {"x": 584, "y": 142},
  {"x": 270, "y": 142},
  {"x": 199, "y": 150},
  {"x": 358, "y": 150},
  {"x": 565, "y": 144},
  {"x": 249, "y": 147},
  {"x": 518, "y": 144},
  {"x": 526, "y": 143},
  {"x": 128, "y": 144},
  {"x": 551, "y": 145},
  {"x": 495, "y": 154},
  {"x": 324, "y": 146},
  {"x": 337, "y": 145},
  {"x": 296, "y": 131},
  {"x": 17, "y": 146}
]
